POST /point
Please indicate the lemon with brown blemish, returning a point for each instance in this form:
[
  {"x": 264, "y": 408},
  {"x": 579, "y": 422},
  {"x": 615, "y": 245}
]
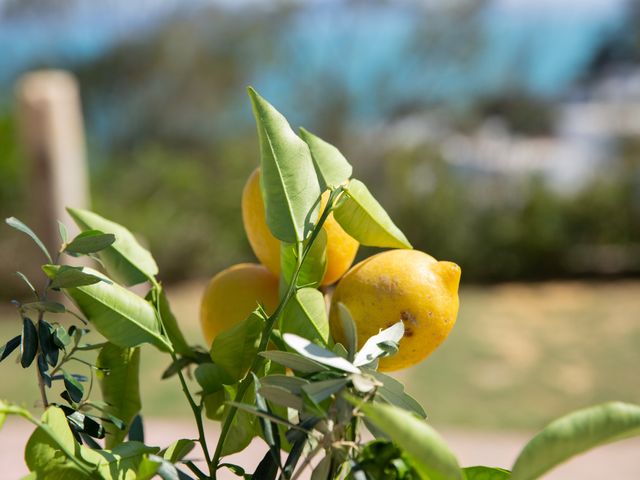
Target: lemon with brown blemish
[{"x": 406, "y": 285}]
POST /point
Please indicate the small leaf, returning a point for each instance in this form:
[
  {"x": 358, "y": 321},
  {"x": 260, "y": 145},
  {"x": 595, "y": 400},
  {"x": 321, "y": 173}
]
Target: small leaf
[
  {"x": 178, "y": 450},
  {"x": 392, "y": 391},
  {"x": 267, "y": 469},
  {"x": 53, "y": 307},
  {"x": 125, "y": 260},
  {"x": 486, "y": 473},
  {"x": 288, "y": 180},
  {"x": 47, "y": 344},
  {"x": 18, "y": 225},
  {"x": 314, "y": 352},
  {"x": 136, "y": 430},
  {"x": 429, "y": 453},
  {"x": 90, "y": 241},
  {"x": 29, "y": 343},
  {"x": 281, "y": 396},
  {"x": 64, "y": 234},
  {"x": 73, "y": 387},
  {"x": 319, "y": 391},
  {"x": 575, "y": 433},
  {"x": 234, "y": 349},
  {"x": 288, "y": 382},
  {"x": 349, "y": 329},
  {"x": 9, "y": 347},
  {"x": 61, "y": 337},
  {"x": 170, "y": 324},
  {"x": 294, "y": 361},
  {"x": 315, "y": 263},
  {"x": 83, "y": 423},
  {"x": 70, "y": 277},
  {"x": 43, "y": 368},
  {"x": 364, "y": 383},
  {"x": 371, "y": 350},
  {"x": 331, "y": 167},
  {"x": 362, "y": 217},
  {"x": 269, "y": 416},
  {"x": 305, "y": 315},
  {"x": 26, "y": 280}
]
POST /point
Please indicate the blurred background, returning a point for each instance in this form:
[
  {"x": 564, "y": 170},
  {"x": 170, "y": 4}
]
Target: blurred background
[{"x": 503, "y": 135}]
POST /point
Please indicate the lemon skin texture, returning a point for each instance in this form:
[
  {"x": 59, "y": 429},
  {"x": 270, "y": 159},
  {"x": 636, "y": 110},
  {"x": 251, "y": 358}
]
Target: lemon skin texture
[
  {"x": 341, "y": 247},
  {"x": 395, "y": 285},
  {"x": 233, "y": 294}
]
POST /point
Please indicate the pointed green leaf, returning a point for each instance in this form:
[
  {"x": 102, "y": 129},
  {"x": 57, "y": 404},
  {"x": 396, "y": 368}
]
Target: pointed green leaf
[
  {"x": 62, "y": 230},
  {"x": 121, "y": 316},
  {"x": 90, "y": 241},
  {"x": 125, "y": 260},
  {"x": 24, "y": 278},
  {"x": 331, "y": 167},
  {"x": 29, "y": 343},
  {"x": 9, "y": 347},
  {"x": 178, "y": 450},
  {"x": 281, "y": 396},
  {"x": 212, "y": 377},
  {"x": 18, "y": 225},
  {"x": 429, "y": 453},
  {"x": 120, "y": 386},
  {"x": 319, "y": 391},
  {"x": 362, "y": 217},
  {"x": 294, "y": 361},
  {"x": 392, "y": 391},
  {"x": 486, "y": 473},
  {"x": 74, "y": 387},
  {"x": 314, "y": 266},
  {"x": 575, "y": 433},
  {"x": 53, "y": 307},
  {"x": 49, "y": 348},
  {"x": 234, "y": 349},
  {"x": 371, "y": 350},
  {"x": 306, "y": 316},
  {"x": 288, "y": 180},
  {"x": 349, "y": 329},
  {"x": 171, "y": 326},
  {"x": 314, "y": 352},
  {"x": 288, "y": 382},
  {"x": 66, "y": 276}
]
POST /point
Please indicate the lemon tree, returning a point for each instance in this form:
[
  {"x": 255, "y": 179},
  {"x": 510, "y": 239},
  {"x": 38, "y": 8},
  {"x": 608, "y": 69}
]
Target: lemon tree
[{"x": 276, "y": 363}]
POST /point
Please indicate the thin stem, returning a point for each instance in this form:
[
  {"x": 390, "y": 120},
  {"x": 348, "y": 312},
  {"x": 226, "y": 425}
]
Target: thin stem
[{"x": 269, "y": 325}]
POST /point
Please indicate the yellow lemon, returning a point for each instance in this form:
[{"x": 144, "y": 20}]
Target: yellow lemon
[
  {"x": 396, "y": 285},
  {"x": 233, "y": 294},
  {"x": 341, "y": 248}
]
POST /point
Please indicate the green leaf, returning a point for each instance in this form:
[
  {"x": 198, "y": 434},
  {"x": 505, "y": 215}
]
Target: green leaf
[
  {"x": 575, "y": 433},
  {"x": 74, "y": 387},
  {"x": 9, "y": 347},
  {"x": 61, "y": 337},
  {"x": 18, "y": 225},
  {"x": 362, "y": 217},
  {"x": 121, "y": 316},
  {"x": 281, "y": 396},
  {"x": 120, "y": 385},
  {"x": 29, "y": 343},
  {"x": 322, "y": 469},
  {"x": 331, "y": 167},
  {"x": 371, "y": 350},
  {"x": 288, "y": 382},
  {"x": 288, "y": 180},
  {"x": 89, "y": 241},
  {"x": 314, "y": 352},
  {"x": 171, "y": 327},
  {"x": 234, "y": 349},
  {"x": 26, "y": 280},
  {"x": 294, "y": 361},
  {"x": 349, "y": 329},
  {"x": 319, "y": 391},
  {"x": 212, "y": 377},
  {"x": 62, "y": 230},
  {"x": 306, "y": 315},
  {"x": 178, "y": 450},
  {"x": 53, "y": 307},
  {"x": 486, "y": 473},
  {"x": 125, "y": 260},
  {"x": 68, "y": 277},
  {"x": 392, "y": 391},
  {"x": 49, "y": 348},
  {"x": 314, "y": 266},
  {"x": 428, "y": 451},
  {"x": 244, "y": 427}
]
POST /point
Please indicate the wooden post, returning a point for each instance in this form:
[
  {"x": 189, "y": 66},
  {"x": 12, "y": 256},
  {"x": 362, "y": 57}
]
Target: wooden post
[{"x": 53, "y": 138}]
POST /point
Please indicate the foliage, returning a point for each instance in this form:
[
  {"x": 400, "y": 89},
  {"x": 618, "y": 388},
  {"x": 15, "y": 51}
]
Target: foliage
[{"x": 279, "y": 376}]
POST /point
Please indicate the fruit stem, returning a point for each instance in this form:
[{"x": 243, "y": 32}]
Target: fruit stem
[{"x": 270, "y": 323}]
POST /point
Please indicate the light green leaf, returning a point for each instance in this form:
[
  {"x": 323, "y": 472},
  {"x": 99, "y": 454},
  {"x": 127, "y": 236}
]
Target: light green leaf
[
  {"x": 171, "y": 325},
  {"x": 18, "y": 225},
  {"x": 486, "y": 473},
  {"x": 234, "y": 349},
  {"x": 288, "y": 382},
  {"x": 331, "y": 167},
  {"x": 318, "y": 391},
  {"x": 244, "y": 427},
  {"x": 575, "y": 433},
  {"x": 90, "y": 241},
  {"x": 294, "y": 361},
  {"x": 120, "y": 386},
  {"x": 349, "y": 329},
  {"x": 212, "y": 377},
  {"x": 306, "y": 316},
  {"x": 178, "y": 450},
  {"x": 429, "y": 453},
  {"x": 288, "y": 180},
  {"x": 314, "y": 266},
  {"x": 362, "y": 217},
  {"x": 125, "y": 260},
  {"x": 314, "y": 352},
  {"x": 121, "y": 316},
  {"x": 392, "y": 391},
  {"x": 371, "y": 350},
  {"x": 281, "y": 396}
]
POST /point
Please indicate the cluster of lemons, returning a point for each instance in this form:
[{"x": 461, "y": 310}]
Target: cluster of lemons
[{"x": 394, "y": 285}]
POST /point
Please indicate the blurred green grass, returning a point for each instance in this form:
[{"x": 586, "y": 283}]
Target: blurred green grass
[{"x": 520, "y": 355}]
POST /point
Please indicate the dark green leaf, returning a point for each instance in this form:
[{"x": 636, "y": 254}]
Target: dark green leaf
[
  {"x": 331, "y": 167},
  {"x": 43, "y": 368},
  {"x": 288, "y": 180},
  {"x": 234, "y": 349},
  {"x": 53, "y": 307},
  {"x": 313, "y": 352},
  {"x": 178, "y": 450},
  {"x": 120, "y": 388},
  {"x": 319, "y": 391},
  {"x": 9, "y": 347},
  {"x": 83, "y": 423},
  {"x": 18, "y": 225},
  {"x": 267, "y": 469},
  {"x": 362, "y": 217},
  {"x": 136, "y": 430},
  {"x": 294, "y": 361},
  {"x": 270, "y": 431},
  {"x": 294, "y": 456},
  {"x": 215, "y": 403},
  {"x": 73, "y": 387},
  {"x": 486, "y": 473},
  {"x": 575, "y": 433},
  {"x": 281, "y": 396},
  {"x": 125, "y": 260},
  {"x": 212, "y": 377},
  {"x": 69, "y": 277},
  {"x": 29, "y": 343},
  {"x": 267, "y": 415},
  {"x": 288, "y": 382},
  {"x": 47, "y": 344},
  {"x": 321, "y": 472},
  {"x": 89, "y": 241},
  {"x": 305, "y": 315}
]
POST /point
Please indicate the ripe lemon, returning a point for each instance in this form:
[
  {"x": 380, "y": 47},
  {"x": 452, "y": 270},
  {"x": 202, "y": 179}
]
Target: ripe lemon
[
  {"x": 233, "y": 294},
  {"x": 341, "y": 248},
  {"x": 395, "y": 285}
]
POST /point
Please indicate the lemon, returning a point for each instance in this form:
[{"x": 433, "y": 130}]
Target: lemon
[
  {"x": 395, "y": 285},
  {"x": 233, "y": 294},
  {"x": 341, "y": 248}
]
